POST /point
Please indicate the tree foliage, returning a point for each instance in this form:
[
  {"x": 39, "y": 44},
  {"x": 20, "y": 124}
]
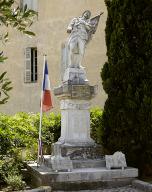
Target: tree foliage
[
  {"x": 127, "y": 79},
  {"x": 20, "y": 19}
]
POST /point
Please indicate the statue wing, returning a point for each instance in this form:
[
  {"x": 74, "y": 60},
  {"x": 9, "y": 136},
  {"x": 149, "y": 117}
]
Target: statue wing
[{"x": 94, "y": 22}]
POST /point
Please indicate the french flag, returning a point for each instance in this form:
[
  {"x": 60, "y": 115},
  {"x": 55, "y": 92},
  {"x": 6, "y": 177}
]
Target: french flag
[{"x": 46, "y": 95}]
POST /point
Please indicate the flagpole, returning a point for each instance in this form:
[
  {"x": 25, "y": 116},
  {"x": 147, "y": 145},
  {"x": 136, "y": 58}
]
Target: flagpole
[{"x": 40, "y": 125}]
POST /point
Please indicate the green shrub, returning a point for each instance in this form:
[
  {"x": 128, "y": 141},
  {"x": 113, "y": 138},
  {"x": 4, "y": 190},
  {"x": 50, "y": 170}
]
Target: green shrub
[
  {"x": 15, "y": 182},
  {"x": 20, "y": 132},
  {"x": 17, "y": 132},
  {"x": 5, "y": 135},
  {"x": 10, "y": 172},
  {"x": 51, "y": 129},
  {"x": 95, "y": 125}
]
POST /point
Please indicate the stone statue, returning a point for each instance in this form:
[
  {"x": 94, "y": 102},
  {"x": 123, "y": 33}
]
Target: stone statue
[{"x": 81, "y": 30}]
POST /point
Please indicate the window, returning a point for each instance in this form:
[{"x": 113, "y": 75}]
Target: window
[
  {"x": 30, "y": 65},
  {"x": 31, "y": 4}
]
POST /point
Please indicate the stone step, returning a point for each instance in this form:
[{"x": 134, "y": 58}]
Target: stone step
[
  {"x": 116, "y": 189},
  {"x": 81, "y": 179}
]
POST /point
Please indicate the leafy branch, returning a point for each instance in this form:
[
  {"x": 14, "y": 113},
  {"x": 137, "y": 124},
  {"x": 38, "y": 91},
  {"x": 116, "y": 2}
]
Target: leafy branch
[
  {"x": 17, "y": 18},
  {"x": 5, "y": 86}
]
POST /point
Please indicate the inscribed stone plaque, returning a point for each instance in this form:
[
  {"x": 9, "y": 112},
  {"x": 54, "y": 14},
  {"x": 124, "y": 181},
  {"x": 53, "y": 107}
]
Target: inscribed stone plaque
[{"x": 80, "y": 91}]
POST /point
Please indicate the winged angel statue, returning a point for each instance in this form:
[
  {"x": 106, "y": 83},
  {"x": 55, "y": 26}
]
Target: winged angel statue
[{"x": 81, "y": 30}]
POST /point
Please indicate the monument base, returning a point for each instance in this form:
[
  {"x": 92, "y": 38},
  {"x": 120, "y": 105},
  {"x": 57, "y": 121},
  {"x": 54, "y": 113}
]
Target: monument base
[
  {"x": 80, "y": 152},
  {"x": 81, "y": 179},
  {"x": 69, "y": 157}
]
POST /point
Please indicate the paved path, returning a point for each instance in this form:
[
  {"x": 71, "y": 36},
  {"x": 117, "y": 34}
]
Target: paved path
[{"x": 119, "y": 189}]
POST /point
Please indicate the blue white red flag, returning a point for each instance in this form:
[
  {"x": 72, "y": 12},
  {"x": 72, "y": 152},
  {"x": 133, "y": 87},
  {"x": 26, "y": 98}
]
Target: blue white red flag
[
  {"x": 46, "y": 96},
  {"x": 46, "y": 104}
]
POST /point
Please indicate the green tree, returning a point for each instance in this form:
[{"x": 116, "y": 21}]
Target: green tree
[
  {"x": 127, "y": 79},
  {"x": 21, "y": 19}
]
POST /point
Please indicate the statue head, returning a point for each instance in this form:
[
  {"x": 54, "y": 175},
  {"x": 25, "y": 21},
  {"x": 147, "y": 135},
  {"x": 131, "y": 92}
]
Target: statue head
[{"x": 86, "y": 14}]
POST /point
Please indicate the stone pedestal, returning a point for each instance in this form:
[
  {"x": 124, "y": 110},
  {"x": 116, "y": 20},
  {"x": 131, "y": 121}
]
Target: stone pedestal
[
  {"x": 75, "y": 122},
  {"x": 75, "y": 114}
]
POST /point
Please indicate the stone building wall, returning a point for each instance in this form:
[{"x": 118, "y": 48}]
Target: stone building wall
[{"x": 50, "y": 28}]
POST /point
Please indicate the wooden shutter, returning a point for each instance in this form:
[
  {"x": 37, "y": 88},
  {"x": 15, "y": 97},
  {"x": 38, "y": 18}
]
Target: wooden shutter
[
  {"x": 34, "y": 63},
  {"x": 28, "y": 65}
]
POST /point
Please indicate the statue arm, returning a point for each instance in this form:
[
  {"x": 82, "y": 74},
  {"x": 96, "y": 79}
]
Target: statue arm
[
  {"x": 89, "y": 26},
  {"x": 70, "y": 26}
]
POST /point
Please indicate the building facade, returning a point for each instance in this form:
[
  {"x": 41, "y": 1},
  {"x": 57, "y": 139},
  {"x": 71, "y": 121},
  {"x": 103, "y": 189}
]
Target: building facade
[{"x": 25, "y": 55}]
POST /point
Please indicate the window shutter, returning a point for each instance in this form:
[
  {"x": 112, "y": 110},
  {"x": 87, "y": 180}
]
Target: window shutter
[
  {"x": 34, "y": 64},
  {"x": 28, "y": 65}
]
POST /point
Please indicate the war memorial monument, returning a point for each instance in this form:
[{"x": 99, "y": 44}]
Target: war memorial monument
[{"x": 77, "y": 162}]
